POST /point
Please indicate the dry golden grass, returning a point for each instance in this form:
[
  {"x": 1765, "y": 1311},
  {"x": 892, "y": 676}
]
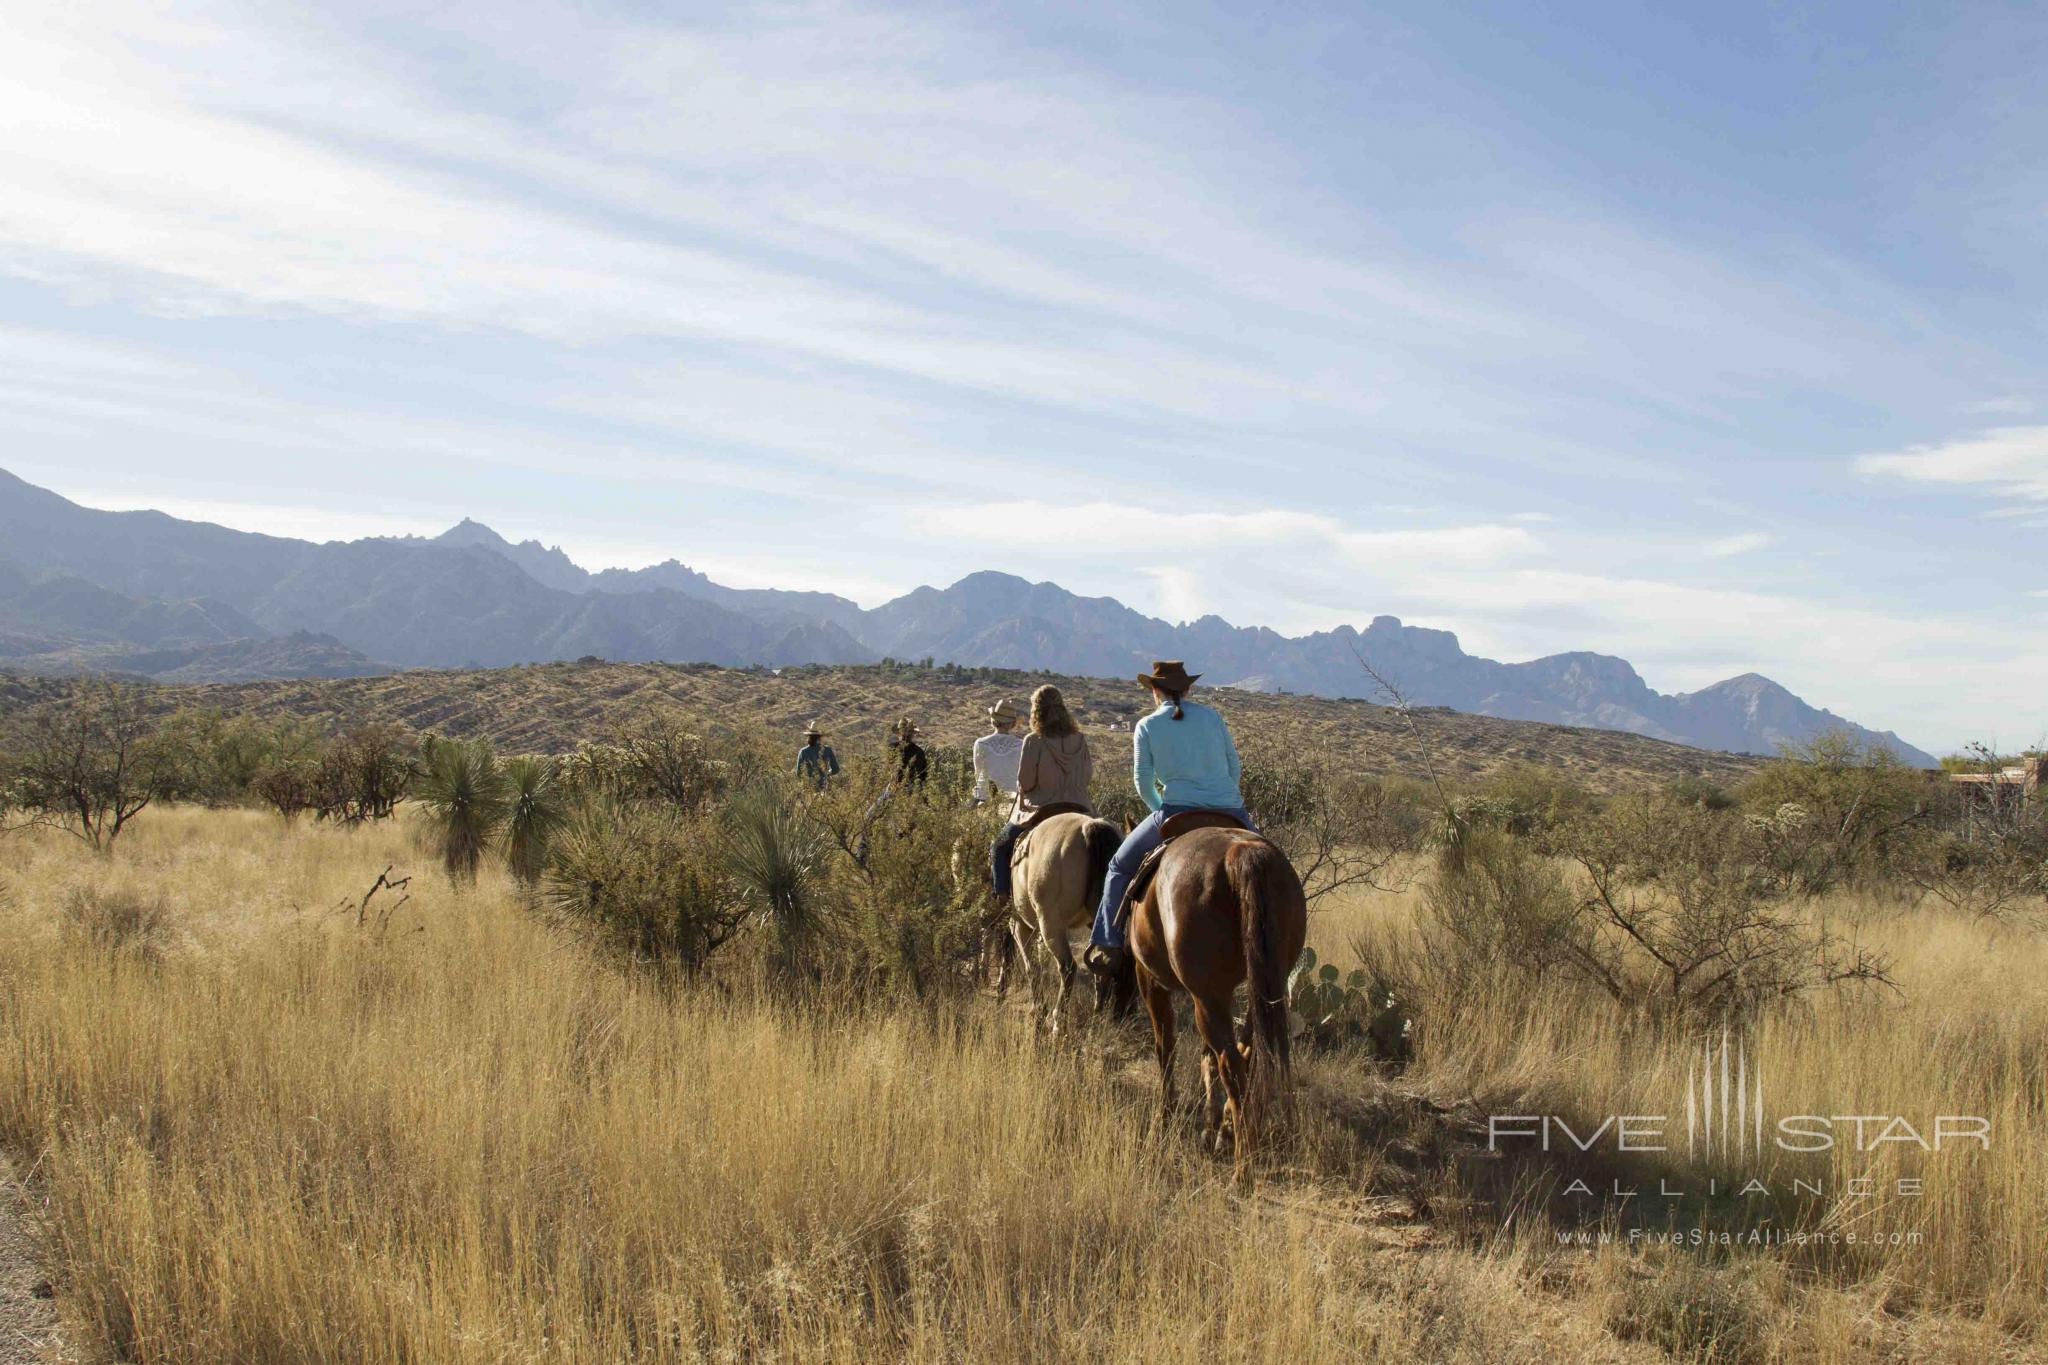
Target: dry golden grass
[
  {"x": 270, "y": 1135},
  {"x": 1965, "y": 1034}
]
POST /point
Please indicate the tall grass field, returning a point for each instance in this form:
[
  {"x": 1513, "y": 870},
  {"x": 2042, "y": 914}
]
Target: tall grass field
[{"x": 267, "y": 1123}]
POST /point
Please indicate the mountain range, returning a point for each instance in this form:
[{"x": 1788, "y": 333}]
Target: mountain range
[{"x": 145, "y": 593}]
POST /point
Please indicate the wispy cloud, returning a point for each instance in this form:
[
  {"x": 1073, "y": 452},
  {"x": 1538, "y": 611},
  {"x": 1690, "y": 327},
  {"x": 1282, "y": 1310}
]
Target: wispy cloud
[
  {"x": 1741, "y": 544},
  {"x": 2011, "y": 405},
  {"x": 2008, "y": 461}
]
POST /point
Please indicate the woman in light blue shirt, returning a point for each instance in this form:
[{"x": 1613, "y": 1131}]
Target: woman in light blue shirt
[{"x": 1182, "y": 758}]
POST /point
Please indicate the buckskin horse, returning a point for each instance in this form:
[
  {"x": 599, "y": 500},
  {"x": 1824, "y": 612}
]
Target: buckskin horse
[
  {"x": 1222, "y": 908},
  {"x": 1057, "y": 879}
]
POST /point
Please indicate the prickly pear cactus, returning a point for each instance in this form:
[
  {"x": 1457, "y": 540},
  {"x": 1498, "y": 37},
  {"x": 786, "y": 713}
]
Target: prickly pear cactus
[{"x": 1339, "y": 1010}]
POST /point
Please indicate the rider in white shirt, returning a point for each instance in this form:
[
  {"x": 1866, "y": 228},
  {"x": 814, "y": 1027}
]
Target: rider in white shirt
[
  {"x": 996, "y": 753},
  {"x": 996, "y": 756}
]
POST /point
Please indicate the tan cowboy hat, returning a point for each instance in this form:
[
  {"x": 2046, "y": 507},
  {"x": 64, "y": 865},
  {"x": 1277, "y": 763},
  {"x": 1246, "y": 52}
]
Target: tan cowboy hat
[
  {"x": 1169, "y": 675},
  {"x": 1003, "y": 710},
  {"x": 814, "y": 732}
]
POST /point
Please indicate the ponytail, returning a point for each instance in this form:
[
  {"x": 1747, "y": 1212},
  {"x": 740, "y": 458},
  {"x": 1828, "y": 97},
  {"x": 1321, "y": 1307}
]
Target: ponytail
[{"x": 1176, "y": 705}]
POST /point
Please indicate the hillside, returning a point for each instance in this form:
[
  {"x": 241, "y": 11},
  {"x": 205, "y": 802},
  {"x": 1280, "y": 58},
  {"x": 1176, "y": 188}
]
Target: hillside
[{"x": 553, "y": 707}]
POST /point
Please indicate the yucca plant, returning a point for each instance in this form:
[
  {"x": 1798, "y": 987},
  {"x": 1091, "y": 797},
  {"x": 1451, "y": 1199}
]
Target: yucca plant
[
  {"x": 774, "y": 852},
  {"x": 466, "y": 798},
  {"x": 535, "y": 813}
]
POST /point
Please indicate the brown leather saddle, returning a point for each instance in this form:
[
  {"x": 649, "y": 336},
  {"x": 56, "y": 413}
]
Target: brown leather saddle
[
  {"x": 1171, "y": 828},
  {"x": 1039, "y": 817}
]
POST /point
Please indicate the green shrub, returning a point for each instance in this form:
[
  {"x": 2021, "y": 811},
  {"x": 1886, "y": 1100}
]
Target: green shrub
[
  {"x": 650, "y": 882},
  {"x": 1495, "y": 902},
  {"x": 1839, "y": 806}
]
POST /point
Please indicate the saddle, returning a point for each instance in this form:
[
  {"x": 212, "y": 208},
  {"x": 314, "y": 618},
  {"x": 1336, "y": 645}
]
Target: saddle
[
  {"x": 1039, "y": 817},
  {"x": 1171, "y": 828}
]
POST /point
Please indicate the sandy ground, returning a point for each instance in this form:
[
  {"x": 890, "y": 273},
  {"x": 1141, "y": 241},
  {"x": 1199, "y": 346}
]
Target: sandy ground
[{"x": 28, "y": 1313}]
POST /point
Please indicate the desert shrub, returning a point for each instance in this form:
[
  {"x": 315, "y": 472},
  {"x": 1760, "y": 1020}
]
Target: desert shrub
[
  {"x": 1987, "y": 858},
  {"x": 1338, "y": 829},
  {"x": 1691, "y": 789},
  {"x": 1839, "y": 806},
  {"x": 534, "y": 813},
  {"x": 1694, "y": 912},
  {"x": 1527, "y": 800},
  {"x": 910, "y": 898},
  {"x": 223, "y": 758},
  {"x": 362, "y": 775},
  {"x": 1495, "y": 903},
  {"x": 119, "y": 923},
  {"x": 658, "y": 757},
  {"x": 465, "y": 797},
  {"x": 1672, "y": 912},
  {"x": 287, "y": 788},
  {"x": 650, "y": 882},
  {"x": 91, "y": 763}
]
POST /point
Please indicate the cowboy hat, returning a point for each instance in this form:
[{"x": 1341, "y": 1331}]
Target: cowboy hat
[
  {"x": 814, "y": 732},
  {"x": 1003, "y": 710},
  {"x": 1169, "y": 675}
]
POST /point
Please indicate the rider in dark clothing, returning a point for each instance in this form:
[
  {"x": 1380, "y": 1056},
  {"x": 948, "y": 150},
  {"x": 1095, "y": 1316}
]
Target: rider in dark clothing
[{"x": 912, "y": 766}]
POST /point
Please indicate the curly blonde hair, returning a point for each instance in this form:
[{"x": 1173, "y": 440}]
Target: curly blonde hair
[{"x": 1049, "y": 714}]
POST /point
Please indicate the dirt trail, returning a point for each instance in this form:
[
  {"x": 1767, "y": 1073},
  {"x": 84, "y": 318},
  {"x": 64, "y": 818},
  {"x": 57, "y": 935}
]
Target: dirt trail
[{"x": 28, "y": 1317}]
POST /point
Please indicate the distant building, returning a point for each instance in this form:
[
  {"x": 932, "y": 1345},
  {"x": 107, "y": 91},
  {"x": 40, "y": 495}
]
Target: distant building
[{"x": 2015, "y": 782}]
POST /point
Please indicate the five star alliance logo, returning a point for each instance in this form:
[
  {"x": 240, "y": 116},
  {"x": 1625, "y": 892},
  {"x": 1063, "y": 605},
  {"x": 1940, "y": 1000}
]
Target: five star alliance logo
[
  {"x": 1727, "y": 1126},
  {"x": 1724, "y": 1103}
]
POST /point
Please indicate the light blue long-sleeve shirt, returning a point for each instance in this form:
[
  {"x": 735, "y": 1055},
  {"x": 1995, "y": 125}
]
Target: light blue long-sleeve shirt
[{"x": 1187, "y": 762}]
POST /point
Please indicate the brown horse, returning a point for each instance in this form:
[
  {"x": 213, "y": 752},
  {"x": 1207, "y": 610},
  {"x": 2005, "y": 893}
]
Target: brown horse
[{"x": 1225, "y": 909}]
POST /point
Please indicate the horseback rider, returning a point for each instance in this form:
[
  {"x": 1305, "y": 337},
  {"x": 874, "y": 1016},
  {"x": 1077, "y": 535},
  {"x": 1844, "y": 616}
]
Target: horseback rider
[
  {"x": 913, "y": 766},
  {"x": 816, "y": 762},
  {"x": 996, "y": 753},
  {"x": 1182, "y": 758},
  {"x": 1053, "y": 770}
]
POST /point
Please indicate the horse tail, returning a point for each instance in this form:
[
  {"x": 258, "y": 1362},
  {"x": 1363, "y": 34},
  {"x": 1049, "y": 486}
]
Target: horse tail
[
  {"x": 1264, "y": 885},
  {"x": 1103, "y": 842}
]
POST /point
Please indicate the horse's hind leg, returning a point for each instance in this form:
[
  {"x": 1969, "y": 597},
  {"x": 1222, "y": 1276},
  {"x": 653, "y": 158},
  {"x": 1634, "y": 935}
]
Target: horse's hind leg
[
  {"x": 1027, "y": 963},
  {"x": 1213, "y": 1021},
  {"x": 1004, "y": 946},
  {"x": 1063, "y": 959},
  {"x": 1212, "y": 1102},
  {"x": 1159, "y": 1005}
]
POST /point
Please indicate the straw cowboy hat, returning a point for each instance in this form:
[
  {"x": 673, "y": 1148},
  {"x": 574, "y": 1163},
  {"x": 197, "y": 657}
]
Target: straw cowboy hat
[
  {"x": 814, "y": 732},
  {"x": 1003, "y": 710},
  {"x": 1169, "y": 675}
]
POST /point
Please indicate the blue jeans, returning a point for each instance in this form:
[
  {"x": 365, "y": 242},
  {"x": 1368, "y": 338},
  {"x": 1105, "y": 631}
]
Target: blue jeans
[
  {"x": 999, "y": 858},
  {"x": 1124, "y": 866}
]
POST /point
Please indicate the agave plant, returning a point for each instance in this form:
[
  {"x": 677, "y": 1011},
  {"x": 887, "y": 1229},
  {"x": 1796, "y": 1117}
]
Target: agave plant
[
  {"x": 465, "y": 795},
  {"x": 774, "y": 852},
  {"x": 535, "y": 812}
]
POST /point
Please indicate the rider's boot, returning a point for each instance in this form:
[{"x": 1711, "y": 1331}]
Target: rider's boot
[{"x": 1106, "y": 961}]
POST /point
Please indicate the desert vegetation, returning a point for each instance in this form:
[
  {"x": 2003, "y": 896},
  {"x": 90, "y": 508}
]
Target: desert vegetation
[{"x": 343, "y": 1041}]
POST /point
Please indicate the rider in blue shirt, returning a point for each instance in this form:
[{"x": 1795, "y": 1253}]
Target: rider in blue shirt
[{"x": 1182, "y": 758}]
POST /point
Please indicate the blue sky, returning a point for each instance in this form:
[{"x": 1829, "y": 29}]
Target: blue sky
[{"x": 1710, "y": 337}]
